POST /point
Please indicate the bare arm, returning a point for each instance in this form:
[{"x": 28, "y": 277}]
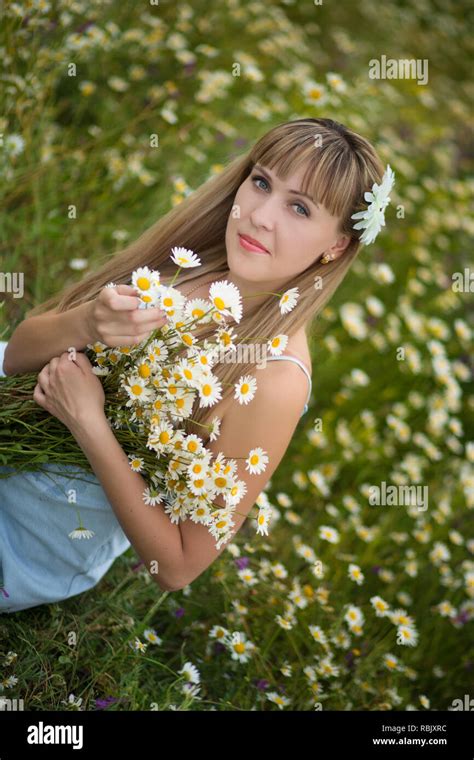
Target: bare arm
[
  {"x": 149, "y": 529},
  {"x": 112, "y": 317},
  {"x": 183, "y": 551},
  {"x": 37, "y": 339},
  {"x": 268, "y": 421}
]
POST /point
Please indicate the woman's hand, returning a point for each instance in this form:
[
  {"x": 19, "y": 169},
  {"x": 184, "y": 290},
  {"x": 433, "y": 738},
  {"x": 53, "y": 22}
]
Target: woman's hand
[
  {"x": 69, "y": 390},
  {"x": 113, "y": 317}
]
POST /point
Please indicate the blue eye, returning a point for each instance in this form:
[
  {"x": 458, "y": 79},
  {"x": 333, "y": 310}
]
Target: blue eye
[{"x": 255, "y": 178}]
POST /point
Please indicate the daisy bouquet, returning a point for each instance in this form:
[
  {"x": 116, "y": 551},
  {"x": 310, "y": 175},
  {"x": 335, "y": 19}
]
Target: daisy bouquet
[{"x": 150, "y": 390}]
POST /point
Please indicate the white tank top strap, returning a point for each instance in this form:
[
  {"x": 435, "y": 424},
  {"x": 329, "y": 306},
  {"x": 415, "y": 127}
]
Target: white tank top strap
[{"x": 303, "y": 367}]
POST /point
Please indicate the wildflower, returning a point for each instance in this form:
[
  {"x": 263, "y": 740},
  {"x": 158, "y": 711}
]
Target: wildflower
[
  {"x": 184, "y": 258},
  {"x": 225, "y": 297},
  {"x": 288, "y": 300},
  {"x": 190, "y": 673},
  {"x": 407, "y": 636},
  {"x": 245, "y": 389},
  {"x": 256, "y": 461},
  {"x": 81, "y": 532},
  {"x": 329, "y": 534},
  {"x": 279, "y": 700},
  {"x": 240, "y": 647},
  {"x": 277, "y": 345},
  {"x": 355, "y": 574},
  {"x": 136, "y": 463}
]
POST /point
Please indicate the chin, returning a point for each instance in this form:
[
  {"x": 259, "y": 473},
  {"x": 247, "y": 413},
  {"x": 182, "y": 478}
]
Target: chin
[{"x": 246, "y": 267}]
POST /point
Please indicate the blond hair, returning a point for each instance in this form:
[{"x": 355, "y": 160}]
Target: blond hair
[{"x": 340, "y": 167}]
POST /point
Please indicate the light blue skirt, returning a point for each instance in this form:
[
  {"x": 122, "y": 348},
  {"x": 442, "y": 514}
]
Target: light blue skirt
[{"x": 39, "y": 562}]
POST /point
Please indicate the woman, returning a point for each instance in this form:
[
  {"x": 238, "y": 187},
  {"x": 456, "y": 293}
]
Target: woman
[{"x": 277, "y": 218}]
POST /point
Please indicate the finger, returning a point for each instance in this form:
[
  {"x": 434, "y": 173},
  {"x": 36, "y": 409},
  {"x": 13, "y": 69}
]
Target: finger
[
  {"x": 126, "y": 297},
  {"x": 151, "y": 321},
  {"x": 82, "y": 360},
  {"x": 38, "y": 395},
  {"x": 43, "y": 377}
]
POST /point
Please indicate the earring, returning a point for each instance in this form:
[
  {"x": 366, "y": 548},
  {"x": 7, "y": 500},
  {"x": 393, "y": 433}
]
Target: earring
[{"x": 327, "y": 258}]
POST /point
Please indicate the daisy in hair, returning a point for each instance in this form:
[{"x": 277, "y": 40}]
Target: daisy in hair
[{"x": 288, "y": 300}]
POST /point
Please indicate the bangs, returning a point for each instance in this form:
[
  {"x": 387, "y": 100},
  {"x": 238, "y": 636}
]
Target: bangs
[{"x": 331, "y": 176}]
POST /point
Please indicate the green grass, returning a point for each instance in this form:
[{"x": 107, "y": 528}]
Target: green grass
[{"x": 421, "y": 131}]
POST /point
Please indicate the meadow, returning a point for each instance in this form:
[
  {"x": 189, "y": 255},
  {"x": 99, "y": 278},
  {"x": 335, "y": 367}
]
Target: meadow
[{"x": 112, "y": 114}]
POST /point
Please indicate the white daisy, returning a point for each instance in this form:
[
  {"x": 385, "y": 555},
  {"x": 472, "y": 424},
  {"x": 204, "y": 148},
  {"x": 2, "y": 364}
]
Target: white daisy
[
  {"x": 172, "y": 300},
  {"x": 277, "y": 345},
  {"x": 190, "y": 672},
  {"x": 81, "y": 532},
  {"x": 380, "y": 606},
  {"x": 150, "y": 635},
  {"x": 210, "y": 391},
  {"x": 152, "y": 497},
  {"x": 372, "y": 219},
  {"x": 407, "y": 636},
  {"x": 263, "y": 520},
  {"x": 256, "y": 461},
  {"x": 214, "y": 428},
  {"x": 245, "y": 389},
  {"x": 145, "y": 279},
  {"x": 355, "y": 574},
  {"x": 184, "y": 258},
  {"x": 137, "y": 390},
  {"x": 136, "y": 463},
  {"x": 225, "y": 297},
  {"x": 329, "y": 534},
  {"x": 240, "y": 647},
  {"x": 288, "y": 300},
  {"x": 198, "y": 309},
  {"x": 278, "y": 699}
]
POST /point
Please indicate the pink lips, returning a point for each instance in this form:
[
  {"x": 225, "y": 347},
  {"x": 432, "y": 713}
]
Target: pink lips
[{"x": 249, "y": 246}]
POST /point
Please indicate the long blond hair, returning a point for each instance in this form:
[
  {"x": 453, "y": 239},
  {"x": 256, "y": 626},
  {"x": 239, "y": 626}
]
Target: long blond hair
[{"x": 341, "y": 167}]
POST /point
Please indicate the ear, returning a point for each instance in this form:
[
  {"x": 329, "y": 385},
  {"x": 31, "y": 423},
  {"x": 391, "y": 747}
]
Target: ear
[{"x": 338, "y": 248}]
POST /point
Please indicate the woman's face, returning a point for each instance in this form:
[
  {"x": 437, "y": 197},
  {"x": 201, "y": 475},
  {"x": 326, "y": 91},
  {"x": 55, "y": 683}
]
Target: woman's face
[{"x": 295, "y": 231}]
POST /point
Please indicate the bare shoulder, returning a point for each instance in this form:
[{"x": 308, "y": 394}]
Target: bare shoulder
[{"x": 298, "y": 346}]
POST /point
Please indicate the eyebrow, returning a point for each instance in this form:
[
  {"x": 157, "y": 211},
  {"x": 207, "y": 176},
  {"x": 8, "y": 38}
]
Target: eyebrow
[{"x": 295, "y": 192}]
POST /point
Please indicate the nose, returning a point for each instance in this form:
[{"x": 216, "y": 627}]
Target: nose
[{"x": 263, "y": 215}]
